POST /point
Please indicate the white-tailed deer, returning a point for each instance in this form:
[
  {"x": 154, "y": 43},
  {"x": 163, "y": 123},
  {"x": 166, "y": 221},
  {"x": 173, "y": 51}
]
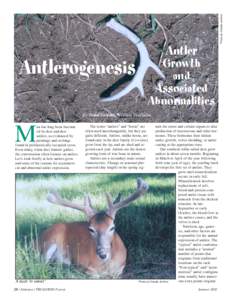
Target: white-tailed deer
[{"x": 94, "y": 245}]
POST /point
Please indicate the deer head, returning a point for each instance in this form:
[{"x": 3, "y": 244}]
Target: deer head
[{"x": 101, "y": 224}]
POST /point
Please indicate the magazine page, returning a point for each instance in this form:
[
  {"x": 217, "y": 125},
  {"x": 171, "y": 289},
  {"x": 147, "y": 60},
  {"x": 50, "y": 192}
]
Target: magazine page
[{"x": 116, "y": 152}]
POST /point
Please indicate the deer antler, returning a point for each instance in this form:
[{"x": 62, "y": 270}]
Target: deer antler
[
  {"x": 54, "y": 197},
  {"x": 145, "y": 61},
  {"x": 142, "y": 188}
]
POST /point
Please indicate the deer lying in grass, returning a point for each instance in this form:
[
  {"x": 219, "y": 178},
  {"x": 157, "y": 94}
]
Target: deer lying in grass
[{"x": 94, "y": 245}]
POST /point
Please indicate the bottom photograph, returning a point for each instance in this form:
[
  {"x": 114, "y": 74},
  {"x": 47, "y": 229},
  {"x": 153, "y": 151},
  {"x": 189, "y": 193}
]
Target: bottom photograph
[{"x": 95, "y": 226}]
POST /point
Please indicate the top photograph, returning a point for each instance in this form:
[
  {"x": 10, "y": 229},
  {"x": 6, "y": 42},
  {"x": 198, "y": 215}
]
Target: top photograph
[{"x": 146, "y": 68}]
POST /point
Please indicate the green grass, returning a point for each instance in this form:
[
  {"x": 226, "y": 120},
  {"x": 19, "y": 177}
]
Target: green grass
[{"x": 147, "y": 226}]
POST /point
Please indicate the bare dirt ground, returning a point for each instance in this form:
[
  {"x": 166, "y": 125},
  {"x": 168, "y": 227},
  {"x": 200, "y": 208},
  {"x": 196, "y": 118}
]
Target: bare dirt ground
[{"x": 74, "y": 38}]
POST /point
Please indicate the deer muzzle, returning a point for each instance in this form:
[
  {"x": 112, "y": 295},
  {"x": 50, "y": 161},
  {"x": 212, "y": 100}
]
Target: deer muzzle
[{"x": 103, "y": 249}]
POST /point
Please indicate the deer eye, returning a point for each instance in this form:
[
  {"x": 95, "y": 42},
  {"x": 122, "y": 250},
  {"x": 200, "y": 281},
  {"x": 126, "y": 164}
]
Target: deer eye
[
  {"x": 91, "y": 230},
  {"x": 112, "y": 228}
]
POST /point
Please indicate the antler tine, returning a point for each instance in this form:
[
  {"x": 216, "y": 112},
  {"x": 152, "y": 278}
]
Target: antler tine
[
  {"x": 87, "y": 201},
  {"x": 54, "y": 197},
  {"x": 89, "y": 210},
  {"x": 142, "y": 188},
  {"x": 109, "y": 200}
]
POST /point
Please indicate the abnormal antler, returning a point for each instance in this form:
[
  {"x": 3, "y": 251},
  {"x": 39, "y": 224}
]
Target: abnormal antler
[
  {"x": 145, "y": 62},
  {"x": 54, "y": 197},
  {"x": 142, "y": 188}
]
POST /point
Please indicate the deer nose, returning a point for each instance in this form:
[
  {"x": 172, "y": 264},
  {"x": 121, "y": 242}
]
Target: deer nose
[{"x": 102, "y": 256}]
